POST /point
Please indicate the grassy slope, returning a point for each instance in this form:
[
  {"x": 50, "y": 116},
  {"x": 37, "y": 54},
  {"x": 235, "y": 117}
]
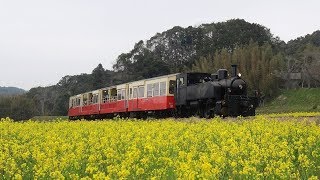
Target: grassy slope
[{"x": 299, "y": 100}]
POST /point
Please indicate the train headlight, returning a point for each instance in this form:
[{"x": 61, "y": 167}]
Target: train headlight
[{"x": 239, "y": 74}]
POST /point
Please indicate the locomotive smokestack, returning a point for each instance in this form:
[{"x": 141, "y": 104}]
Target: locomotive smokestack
[{"x": 234, "y": 70}]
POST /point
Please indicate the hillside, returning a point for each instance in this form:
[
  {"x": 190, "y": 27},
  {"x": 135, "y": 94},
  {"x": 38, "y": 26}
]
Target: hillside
[
  {"x": 11, "y": 91},
  {"x": 295, "y": 100},
  {"x": 176, "y": 49}
]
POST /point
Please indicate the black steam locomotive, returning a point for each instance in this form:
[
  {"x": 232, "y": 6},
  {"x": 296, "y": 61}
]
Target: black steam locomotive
[{"x": 206, "y": 94}]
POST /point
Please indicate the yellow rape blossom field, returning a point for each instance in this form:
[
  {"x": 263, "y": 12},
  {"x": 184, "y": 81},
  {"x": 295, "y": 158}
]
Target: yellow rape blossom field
[{"x": 262, "y": 147}]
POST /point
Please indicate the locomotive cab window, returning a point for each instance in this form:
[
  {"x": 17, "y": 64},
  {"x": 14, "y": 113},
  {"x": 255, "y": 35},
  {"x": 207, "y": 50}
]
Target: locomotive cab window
[
  {"x": 196, "y": 78},
  {"x": 181, "y": 81}
]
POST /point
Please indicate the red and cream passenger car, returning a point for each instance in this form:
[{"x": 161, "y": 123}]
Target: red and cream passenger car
[{"x": 134, "y": 99}]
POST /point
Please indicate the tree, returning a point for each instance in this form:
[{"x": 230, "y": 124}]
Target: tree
[
  {"x": 22, "y": 108},
  {"x": 203, "y": 64},
  {"x": 259, "y": 66},
  {"x": 302, "y": 57},
  {"x": 178, "y": 48},
  {"x": 297, "y": 46},
  {"x": 98, "y": 75},
  {"x": 5, "y": 106},
  {"x": 310, "y": 58}
]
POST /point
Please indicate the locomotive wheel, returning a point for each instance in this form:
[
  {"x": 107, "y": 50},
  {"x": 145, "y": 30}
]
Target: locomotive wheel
[
  {"x": 182, "y": 112},
  {"x": 208, "y": 111}
]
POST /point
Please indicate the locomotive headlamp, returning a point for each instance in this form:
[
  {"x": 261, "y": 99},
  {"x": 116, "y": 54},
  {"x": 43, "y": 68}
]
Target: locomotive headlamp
[{"x": 239, "y": 74}]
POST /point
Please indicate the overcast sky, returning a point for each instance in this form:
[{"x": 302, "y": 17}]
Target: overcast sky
[{"x": 43, "y": 40}]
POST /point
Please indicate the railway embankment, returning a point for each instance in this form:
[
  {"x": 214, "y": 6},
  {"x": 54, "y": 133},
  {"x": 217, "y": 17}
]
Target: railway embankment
[{"x": 295, "y": 100}]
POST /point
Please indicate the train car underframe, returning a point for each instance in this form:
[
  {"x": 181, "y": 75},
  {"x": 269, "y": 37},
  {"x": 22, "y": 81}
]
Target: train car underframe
[{"x": 135, "y": 114}]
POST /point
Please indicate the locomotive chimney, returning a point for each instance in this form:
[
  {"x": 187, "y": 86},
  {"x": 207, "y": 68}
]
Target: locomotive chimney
[{"x": 234, "y": 70}]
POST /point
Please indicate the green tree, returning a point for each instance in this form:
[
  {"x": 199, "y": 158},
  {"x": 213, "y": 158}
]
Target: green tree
[
  {"x": 178, "y": 48},
  {"x": 310, "y": 64},
  {"x": 5, "y": 106},
  {"x": 98, "y": 75},
  {"x": 22, "y": 108},
  {"x": 203, "y": 64},
  {"x": 259, "y": 66}
]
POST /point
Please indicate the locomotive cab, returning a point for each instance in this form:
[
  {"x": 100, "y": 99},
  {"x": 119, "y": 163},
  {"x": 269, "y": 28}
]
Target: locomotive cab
[
  {"x": 195, "y": 93},
  {"x": 187, "y": 87}
]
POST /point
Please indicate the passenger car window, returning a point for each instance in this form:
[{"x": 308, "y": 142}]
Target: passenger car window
[
  {"x": 78, "y": 101},
  {"x": 156, "y": 89},
  {"x": 141, "y": 92},
  {"x": 95, "y": 99},
  {"x": 123, "y": 94},
  {"x": 135, "y": 93},
  {"x": 119, "y": 94},
  {"x": 172, "y": 84},
  {"x": 162, "y": 88},
  {"x": 149, "y": 90}
]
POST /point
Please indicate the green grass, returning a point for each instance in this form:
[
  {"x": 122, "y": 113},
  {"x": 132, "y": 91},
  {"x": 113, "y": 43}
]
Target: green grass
[{"x": 298, "y": 100}]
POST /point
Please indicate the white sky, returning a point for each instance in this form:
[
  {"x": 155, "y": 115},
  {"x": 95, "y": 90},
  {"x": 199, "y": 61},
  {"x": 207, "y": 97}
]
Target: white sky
[{"x": 43, "y": 40}]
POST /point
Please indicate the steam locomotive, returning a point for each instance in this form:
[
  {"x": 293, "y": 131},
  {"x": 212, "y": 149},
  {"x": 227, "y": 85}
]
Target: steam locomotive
[
  {"x": 178, "y": 95},
  {"x": 205, "y": 94}
]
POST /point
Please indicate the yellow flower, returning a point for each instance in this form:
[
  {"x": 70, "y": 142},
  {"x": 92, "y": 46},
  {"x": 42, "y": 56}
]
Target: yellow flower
[
  {"x": 140, "y": 171},
  {"x": 245, "y": 148}
]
